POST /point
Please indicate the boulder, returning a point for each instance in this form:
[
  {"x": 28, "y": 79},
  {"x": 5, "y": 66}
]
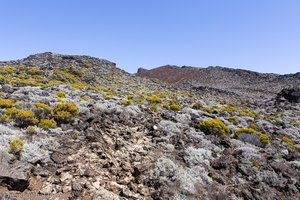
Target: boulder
[
  {"x": 14, "y": 174},
  {"x": 292, "y": 95}
]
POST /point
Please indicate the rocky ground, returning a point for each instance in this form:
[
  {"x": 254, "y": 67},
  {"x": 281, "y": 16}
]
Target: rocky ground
[{"x": 77, "y": 127}]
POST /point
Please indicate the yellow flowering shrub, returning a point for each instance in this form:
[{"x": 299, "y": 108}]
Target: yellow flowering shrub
[
  {"x": 214, "y": 126},
  {"x": 16, "y": 146},
  {"x": 65, "y": 112}
]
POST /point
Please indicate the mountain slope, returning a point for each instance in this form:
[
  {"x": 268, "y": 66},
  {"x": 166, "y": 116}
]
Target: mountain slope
[
  {"x": 78, "y": 127},
  {"x": 222, "y": 78}
]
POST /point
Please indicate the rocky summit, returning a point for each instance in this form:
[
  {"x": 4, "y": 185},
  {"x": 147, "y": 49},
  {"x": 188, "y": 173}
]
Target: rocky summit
[{"x": 78, "y": 127}]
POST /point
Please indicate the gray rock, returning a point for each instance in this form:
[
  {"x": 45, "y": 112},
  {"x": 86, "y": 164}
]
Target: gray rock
[
  {"x": 102, "y": 193},
  {"x": 7, "y": 88},
  {"x": 252, "y": 138},
  {"x": 76, "y": 186},
  {"x": 295, "y": 164},
  {"x": 14, "y": 174},
  {"x": 247, "y": 153}
]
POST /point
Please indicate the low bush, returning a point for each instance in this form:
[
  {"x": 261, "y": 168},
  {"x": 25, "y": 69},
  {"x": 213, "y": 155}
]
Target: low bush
[
  {"x": 288, "y": 141},
  {"x": 154, "y": 99},
  {"x": 31, "y": 130},
  {"x": 154, "y": 107},
  {"x": 126, "y": 102},
  {"x": 175, "y": 107},
  {"x": 233, "y": 120},
  {"x": 47, "y": 123},
  {"x": 6, "y": 103},
  {"x": 130, "y": 96},
  {"x": 197, "y": 106},
  {"x": 22, "y": 118},
  {"x": 249, "y": 113},
  {"x": 252, "y": 136},
  {"x": 61, "y": 94},
  {"x": 207, "y": 109},
  {"x": 214, "y": 126},
  {"x": 85, "y": 98},
  {"x": 42, "y": 111},
  {"x": 16, "y": 146},
  {"x": 65, "y": 112},
  {"x": 298, "y": 148},
  {"x": 254, "y": 126},
  {"x": 35, "y": 70},
  {"x": 229, "y": 109}
]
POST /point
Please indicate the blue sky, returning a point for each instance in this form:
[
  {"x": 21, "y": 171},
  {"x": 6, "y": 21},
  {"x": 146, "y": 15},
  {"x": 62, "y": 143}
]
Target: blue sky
[{"x": 259, "y": 35}]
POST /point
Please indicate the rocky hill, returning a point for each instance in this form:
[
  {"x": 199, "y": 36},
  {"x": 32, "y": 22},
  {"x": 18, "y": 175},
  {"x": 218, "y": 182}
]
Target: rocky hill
[
  {"x": 78, "y": 127},
  {"x": 236, "y": 80}
]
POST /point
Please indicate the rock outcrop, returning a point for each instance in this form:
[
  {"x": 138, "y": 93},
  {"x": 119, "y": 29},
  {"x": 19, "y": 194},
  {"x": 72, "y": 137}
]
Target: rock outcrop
[
  {"x": 292, "y": 95},
  {"x": 14, "y": 174}
]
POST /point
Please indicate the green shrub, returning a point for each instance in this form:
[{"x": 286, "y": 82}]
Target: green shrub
[
  {"x": 35, "y": 70},
  {"x": 197, "y": 106},
  {"x": 214, "y": 126},
  {"x": 65, "y": 112},
  {"x": 6, "y": 103},
  {"x": 61, "y": 94},
  {"x": 2, "y": 79},
  {"x": 233, "y": 120},
  {"x": 248, "y": 114},
  {"x": 31, "y": 130},
  {"x": 254, "y": 126},
  {"x": 263, "y": 137},
  {"x": 85, "y": 98},
  {"x": 47, "y": 123},
  {"x": 126, "y": 102},
  {"x": 215, "y": 107},
  {"x": 175, "y": 107},
  {"x": 16, "y": 146},
  {"x": 298, "y": 147},
  {"x": 75, "y": 135},
  {"x": 25, "y": 118},
  {"x": 256, "y": 164},
  {"x": 288, "y": 141},
  {"x": 223, "y": 102},
  {"x": 130, "y": 96},
  {"x": 107, "y": 97},
  {"x": 42, "y": 111},
  {"x": 10, "y": 70},
  {"x": 229, "y": 109},
  {"x": 154, "y": 99},
  {"x": 154, "y": 107},
  {"x": 207, "y": 109},
  {"x": 22, "y": 118}
]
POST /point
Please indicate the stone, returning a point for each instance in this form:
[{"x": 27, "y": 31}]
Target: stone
[
  {"x": 47, "y": 189},
  {"x": 292, "y": 95},
  {"x": 96, "y": 185},
  {"x": 7, "y": 88},
  {"x": 102, "y": 193},
  {"x": 14, "y": 174},
  {"x": 65, "y": 176},
  {"x": 76, "y": 186}
]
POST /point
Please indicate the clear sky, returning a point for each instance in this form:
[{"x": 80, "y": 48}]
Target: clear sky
[{"x": 259, "y": 35}]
